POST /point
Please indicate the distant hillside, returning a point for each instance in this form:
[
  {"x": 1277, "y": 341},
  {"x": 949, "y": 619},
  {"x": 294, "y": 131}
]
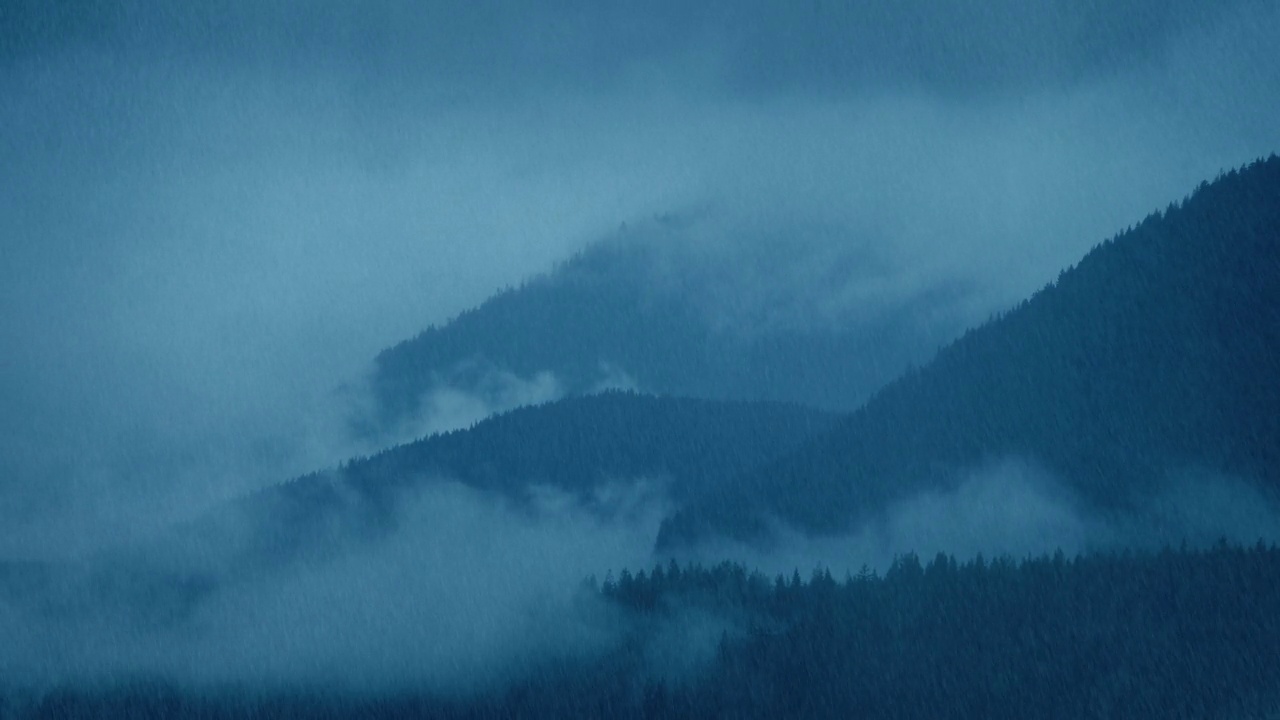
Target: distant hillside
[
  {"x": 1159, "y": 352},
  {"x": 585, "y": 447},
  {"x": 577, "y": 444},
  {"x": 665, "y": 311}
]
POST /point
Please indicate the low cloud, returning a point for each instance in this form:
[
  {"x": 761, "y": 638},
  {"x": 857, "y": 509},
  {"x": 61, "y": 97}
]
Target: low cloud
[
  {"x": 1013, "y": 508},
  {"x": 466, "y": 591},
  {"x": 459, "y": 591},
  {"x": 614, "y": 378},
  {"x": 464, "y": 399},
  {"x": 1009, "y": 508},
  {"x": 1199, "y": 508}
]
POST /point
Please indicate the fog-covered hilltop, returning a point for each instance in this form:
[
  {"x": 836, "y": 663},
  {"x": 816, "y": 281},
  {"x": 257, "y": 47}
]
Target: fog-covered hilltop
[
  {"x": 1152, "y": 358},
  {"x": 684, "y": 306}
]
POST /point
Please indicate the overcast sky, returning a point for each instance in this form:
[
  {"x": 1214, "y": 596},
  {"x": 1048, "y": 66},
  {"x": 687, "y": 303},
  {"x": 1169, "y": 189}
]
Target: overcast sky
[{"x": 211, "y": 217}]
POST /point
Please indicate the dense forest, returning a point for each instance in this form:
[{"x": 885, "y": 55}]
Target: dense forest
[
  {"x": 1175, "y": 634},
  {"x": 1157, "y": 352}
]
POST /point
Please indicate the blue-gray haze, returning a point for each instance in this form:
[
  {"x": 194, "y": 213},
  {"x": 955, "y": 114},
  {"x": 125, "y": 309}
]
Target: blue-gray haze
[{"x": 213, "y": 216}]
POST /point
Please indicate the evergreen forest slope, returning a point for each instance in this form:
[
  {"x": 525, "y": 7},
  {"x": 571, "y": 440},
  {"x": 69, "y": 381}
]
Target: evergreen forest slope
[{"x": 1157, "y": 353}]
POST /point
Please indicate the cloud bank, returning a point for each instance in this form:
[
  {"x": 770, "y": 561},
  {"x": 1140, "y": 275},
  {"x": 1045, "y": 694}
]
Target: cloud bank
[
  {"x": 1014, "y": 508},
  {"x": 224, "y": 212},
  {"x": 466, "y": 591}
]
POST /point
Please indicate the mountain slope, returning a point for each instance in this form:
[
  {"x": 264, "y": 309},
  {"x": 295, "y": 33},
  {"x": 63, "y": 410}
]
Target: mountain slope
[
  {"x": 664, "y": 309},
  {"x": 1158, "y": 353},
  {"x": 599, "y": 450},
  {"x": 578, "y": 444}
]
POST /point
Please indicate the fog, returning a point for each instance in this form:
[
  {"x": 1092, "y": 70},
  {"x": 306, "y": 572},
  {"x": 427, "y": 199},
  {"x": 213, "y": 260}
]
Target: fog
[
  {"x": 212, "y": 219},
  {"x": 460, "y": 592},
  {"x": 1014, "y": 508},
  {"x": 466, "y": 591}
]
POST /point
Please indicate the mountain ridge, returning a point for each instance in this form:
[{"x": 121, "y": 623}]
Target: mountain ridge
[
  {"x": 1151, "y": 354},
  {"x": 659, "y": 308}
]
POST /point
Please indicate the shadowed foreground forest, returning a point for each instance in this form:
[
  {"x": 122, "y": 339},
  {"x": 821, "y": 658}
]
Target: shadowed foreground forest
[{"x": 1179, "y": 633}]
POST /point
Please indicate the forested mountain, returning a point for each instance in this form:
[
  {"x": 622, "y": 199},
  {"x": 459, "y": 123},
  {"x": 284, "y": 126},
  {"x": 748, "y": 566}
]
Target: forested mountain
[
  {"x": 1157, "y": 353},
  {"x": 663, "y": 310}
]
